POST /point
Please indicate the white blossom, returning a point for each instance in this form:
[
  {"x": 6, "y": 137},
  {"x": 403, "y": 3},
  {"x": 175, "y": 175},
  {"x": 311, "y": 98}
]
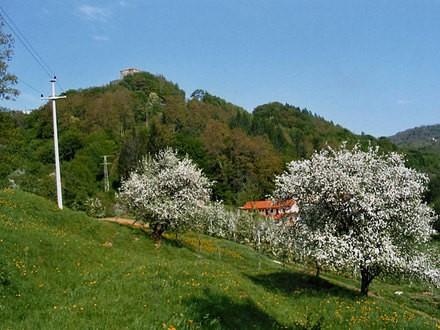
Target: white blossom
[
  {"x": 166, "y": 190},
  {"x": 360, "y": 210}
]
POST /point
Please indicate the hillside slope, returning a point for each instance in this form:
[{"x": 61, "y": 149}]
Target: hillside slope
[
  {"x": 63, "y": 270},
  {"x": 143, "y": 113},
  {"x": 419, "y": 137}
]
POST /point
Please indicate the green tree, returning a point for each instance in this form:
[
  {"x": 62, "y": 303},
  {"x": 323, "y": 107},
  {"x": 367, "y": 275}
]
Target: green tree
[{"x": 7, "y": 79}]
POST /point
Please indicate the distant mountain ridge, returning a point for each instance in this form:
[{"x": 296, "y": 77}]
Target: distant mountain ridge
[{"x": 418, "y": 137}]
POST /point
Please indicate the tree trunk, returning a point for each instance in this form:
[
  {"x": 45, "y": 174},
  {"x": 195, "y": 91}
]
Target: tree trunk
[
  {"x": 318, "y": 269},
  {"x": 366, "y": 278},
  {"x": 158, "y": 230}
]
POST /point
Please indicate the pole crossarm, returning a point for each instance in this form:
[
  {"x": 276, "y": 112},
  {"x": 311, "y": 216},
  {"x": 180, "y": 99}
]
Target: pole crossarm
[{"x": 51, "y": 98}]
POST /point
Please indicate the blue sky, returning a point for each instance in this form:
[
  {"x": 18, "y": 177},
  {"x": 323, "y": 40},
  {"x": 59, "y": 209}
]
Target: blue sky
[{"x": 370, "y": 66}]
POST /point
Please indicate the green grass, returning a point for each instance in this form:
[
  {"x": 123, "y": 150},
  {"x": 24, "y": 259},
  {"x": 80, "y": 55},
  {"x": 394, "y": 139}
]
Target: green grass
[{"x": 63, "y": 270}]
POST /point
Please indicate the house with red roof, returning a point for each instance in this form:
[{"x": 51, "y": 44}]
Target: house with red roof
[{"x": 286, "y": 210}]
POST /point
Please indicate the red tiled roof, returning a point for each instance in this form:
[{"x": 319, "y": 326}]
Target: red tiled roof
[{"x": 267, "y": 204}]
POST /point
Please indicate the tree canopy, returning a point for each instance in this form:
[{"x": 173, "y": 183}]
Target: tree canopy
[
  {"x": 361, "y": 210},
  {"x": 165, "y": 191},
  {"x": 7, "y": 79}
]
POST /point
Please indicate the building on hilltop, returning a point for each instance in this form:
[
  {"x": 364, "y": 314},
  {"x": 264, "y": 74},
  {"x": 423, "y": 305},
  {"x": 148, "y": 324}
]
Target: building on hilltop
[
  {"x": 285, "y": 210},
  {"x": 128, "y": 71}
]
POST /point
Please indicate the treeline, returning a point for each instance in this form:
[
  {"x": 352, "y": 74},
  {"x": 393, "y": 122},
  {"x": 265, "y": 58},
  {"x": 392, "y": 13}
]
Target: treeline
[{"x": 144, "y": 113}]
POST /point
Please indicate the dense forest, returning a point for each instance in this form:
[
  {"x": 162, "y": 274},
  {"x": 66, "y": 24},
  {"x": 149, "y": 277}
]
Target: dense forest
[
  {"x": 419, "y": 137},
  {"x": 143, "y": 113}
]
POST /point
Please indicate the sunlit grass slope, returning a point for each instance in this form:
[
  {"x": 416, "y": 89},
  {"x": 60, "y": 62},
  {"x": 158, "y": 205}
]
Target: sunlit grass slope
[{"x": 63, "y": 270}]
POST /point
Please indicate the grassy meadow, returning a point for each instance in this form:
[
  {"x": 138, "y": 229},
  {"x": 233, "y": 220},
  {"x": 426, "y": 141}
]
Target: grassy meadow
[{"x": 64, "y": 270}]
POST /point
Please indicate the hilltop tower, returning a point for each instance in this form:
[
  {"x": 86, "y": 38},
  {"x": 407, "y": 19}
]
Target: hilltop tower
[{"x": 128, "y": 71}]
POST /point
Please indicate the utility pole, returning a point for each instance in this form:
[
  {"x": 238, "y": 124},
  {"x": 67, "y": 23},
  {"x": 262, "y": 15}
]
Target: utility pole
[
  {"x": 106, "y": 181},
  {"x": 53, "y": 98}
]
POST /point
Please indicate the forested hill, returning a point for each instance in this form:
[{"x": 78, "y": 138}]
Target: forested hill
[
  {"x": 422, "y": 146},
  {"x": 143, "y": 113},
  {"x": 419, "y": 137}
]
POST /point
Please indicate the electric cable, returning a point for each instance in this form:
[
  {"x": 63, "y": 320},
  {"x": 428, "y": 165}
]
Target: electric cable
[
  {"x": 29, "y": 85},
  {"x": 27, "y": 45}
]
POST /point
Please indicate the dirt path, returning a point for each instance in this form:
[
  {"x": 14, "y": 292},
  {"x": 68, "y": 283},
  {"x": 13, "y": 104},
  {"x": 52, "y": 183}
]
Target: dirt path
[{"x": 125, "y": 222}]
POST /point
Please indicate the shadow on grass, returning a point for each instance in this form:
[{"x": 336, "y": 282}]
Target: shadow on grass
[
  {"x": 168, "y": 238},
  {"x": 214, "y": 311},
  {"x": 172, "y": 242},
  {"x": 293, "y": 283}
]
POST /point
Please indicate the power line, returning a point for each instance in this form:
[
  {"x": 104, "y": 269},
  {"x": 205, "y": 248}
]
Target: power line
[
  {"x": 27, "y": 45},
  {"x": 29, "y": 85},
  {"x": 61, "y": 87}
]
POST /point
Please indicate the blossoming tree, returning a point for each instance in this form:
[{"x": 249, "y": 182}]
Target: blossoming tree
[
  {"x": 165, "y": 191},
  {"x": 361, "y": 210}
]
